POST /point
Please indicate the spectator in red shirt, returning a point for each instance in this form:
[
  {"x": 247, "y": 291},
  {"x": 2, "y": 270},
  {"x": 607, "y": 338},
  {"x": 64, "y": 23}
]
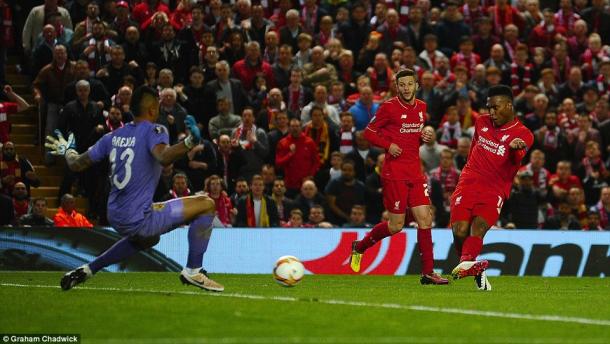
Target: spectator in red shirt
[
  {"x": 563, "y": 181},
  {"x": 15, "y": 105},
  {"x": 297, "y": 155},
  {"x": 144, "y": 11},
  {"x": 547, "y": 33},
  {"x": 465, "y": 57},
  {"x": 251, "y": 66}
]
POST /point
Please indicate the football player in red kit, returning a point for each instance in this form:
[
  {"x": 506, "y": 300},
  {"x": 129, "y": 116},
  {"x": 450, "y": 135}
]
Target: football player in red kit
[
  {"x": 397, "y": 127},
  {"x": 499, "y": 144}
]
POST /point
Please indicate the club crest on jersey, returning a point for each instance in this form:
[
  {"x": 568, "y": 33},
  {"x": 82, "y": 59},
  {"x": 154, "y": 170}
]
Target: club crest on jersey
[
  {"x": 504, "y": 138},
  {"x": 458, "y": 200},
  {"x": 484, "y": 129},
  {"x": 421, "y": 116}
]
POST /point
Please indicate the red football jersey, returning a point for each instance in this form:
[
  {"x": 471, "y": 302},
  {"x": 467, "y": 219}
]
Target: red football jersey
[
  {"x": 492, "y": 164},
  {"x": 400, "y": 123}
]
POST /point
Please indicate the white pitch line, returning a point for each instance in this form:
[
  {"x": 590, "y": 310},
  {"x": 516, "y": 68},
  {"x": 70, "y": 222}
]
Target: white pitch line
[
  {"x": 522, "y": 316},
  {"x": 346, "y": 340}
]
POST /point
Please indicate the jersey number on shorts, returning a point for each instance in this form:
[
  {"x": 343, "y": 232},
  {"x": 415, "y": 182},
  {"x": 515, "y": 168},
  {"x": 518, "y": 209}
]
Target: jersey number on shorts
[
  {"x": 500, "y": 203},
  {"x": 127, "y": 154},
  {"x": 426, "y": 193}
]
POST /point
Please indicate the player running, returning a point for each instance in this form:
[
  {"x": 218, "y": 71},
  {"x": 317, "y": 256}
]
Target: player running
[
  {"x": 136, "y": 152},
  {"x": 397, "y": 127},
  {"x": 499, "y": 144}
]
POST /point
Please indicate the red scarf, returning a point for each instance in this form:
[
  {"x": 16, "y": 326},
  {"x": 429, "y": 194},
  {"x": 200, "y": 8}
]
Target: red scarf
[
  {"x": 469, "y": 62},
  {"x": 375, "y": 82},
  {"x": 448, "y": 179},
  {"x": 111, "y": 127},
  {"x": 7, "y": 35},
  {"x": 347, "y": 141},
  {"x": 176, "y": 195},
  {"x": 589, "y": 164},
  {"x": 242, "y": 134},
  {"x": 21, "y": 207},
  {"x": 507, "y": 18},
  {"x": 223, "y": 208},
  {"x": 297, "y": 99},
  {"x": 540, "y": 177},
  {"x": 551, "y": 139},
  {"x": 602, "y": 85},
  {"x": 566, "y": 19},
  {"x": 519, "y": 81},
  {"x": 471, "y": 16},
  {"x": 592, "y": 60}
]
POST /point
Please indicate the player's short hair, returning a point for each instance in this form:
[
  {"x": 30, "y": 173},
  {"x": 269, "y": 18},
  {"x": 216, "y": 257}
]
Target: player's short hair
[
  {"x": 405, "y": 72},
  {"x": 141, "y": 98},
  {"x": 500, "y": 90}
]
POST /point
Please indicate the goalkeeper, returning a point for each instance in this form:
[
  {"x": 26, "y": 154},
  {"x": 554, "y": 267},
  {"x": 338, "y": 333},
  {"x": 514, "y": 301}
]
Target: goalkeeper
[{"x": 136, "y": 153}]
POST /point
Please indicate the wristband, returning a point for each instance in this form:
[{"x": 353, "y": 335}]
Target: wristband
[{"x": 189, "y": 142}]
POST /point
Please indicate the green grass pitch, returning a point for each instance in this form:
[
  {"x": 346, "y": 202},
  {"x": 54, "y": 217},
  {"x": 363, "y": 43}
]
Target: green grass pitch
[{"x": 157, "y": 308}]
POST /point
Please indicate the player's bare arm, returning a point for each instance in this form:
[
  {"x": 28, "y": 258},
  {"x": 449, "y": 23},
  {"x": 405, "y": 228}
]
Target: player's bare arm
[
  {"x": 78, "y": 162},
  {"x": 166, "y": 154}
]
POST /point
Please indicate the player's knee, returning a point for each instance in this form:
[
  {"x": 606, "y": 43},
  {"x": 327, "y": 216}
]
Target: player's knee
[
  {"x": 479, "y": 227},
  {"x": 145, "y": 242},
  {"x": 395, "y": 227},
  {"x": 208, "y": 206},
  {"x": 460, "y": 230}
]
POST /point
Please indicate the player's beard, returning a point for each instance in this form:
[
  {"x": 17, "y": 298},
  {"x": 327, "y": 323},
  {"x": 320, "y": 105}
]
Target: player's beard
[{"x": 405, "y": 99}]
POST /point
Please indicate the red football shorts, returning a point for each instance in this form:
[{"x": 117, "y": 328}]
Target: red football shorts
[
  {"x": 400, "y": 194},
  {"x": 466, "y": 205}
]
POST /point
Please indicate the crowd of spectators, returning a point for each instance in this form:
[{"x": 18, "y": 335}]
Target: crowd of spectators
[{"x": 282, "y": 90}]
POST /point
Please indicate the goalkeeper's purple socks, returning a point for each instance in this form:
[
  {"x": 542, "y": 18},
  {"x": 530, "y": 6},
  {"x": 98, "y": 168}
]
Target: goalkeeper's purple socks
[
  {"x": 120, "y": 251},
  {"x": 199, "y": 234}
]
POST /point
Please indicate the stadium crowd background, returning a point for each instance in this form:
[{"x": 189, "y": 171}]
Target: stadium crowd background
[{"x": 283, "y": 89}]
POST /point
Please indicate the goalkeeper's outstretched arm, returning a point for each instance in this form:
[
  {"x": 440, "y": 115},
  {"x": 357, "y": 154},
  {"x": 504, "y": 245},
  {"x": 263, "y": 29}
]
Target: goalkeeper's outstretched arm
[{"x": 78, "y": 162}]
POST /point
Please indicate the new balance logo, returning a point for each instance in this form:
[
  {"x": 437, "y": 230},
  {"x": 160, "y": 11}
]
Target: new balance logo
[
  {"x": 484, "y": 129},
  {"x": 504, "y": 138},
  {"x": 403, "y": 117},
  {"x": 396, "y": 205}
]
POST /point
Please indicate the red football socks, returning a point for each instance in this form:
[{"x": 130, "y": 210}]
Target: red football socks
[
  {"x": 424, "y": 241},
  {"x": 471, "y": 249},
  {"x": 378, "y": 232}
]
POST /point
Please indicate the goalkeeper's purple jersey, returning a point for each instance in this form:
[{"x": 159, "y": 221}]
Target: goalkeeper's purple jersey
[{"x": 134, "y": 171}]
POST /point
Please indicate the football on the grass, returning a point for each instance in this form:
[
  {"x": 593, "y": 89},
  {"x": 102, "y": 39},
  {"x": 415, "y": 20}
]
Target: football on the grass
[{"x": 288, "y": 271}]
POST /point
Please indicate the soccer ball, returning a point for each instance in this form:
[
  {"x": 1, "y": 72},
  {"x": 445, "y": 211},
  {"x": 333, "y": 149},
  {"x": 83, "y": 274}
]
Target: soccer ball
[{"x": 288, "y": 271}]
